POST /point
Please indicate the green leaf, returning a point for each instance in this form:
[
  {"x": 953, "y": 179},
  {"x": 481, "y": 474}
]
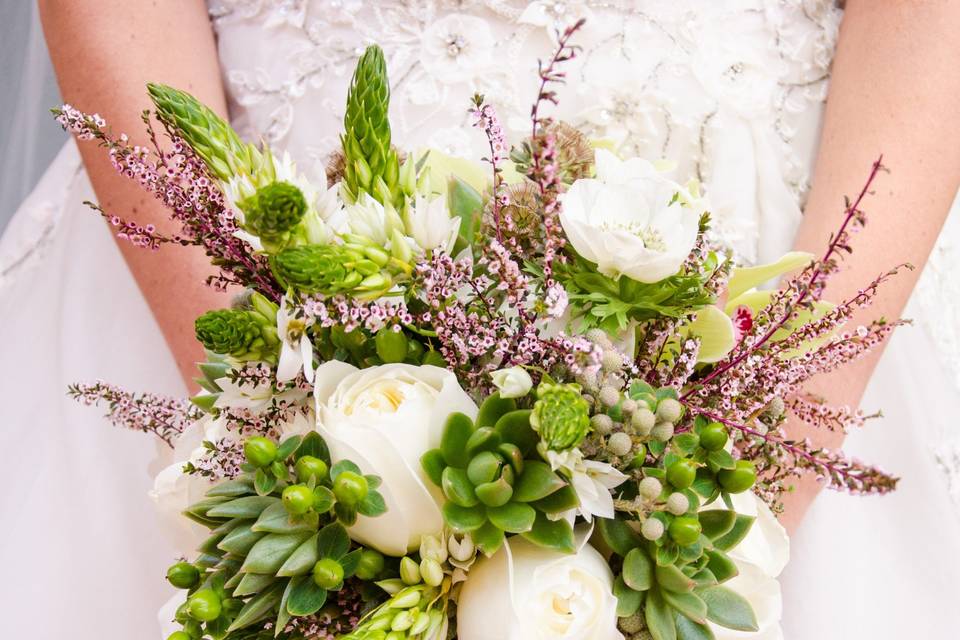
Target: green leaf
[
  {"x": 322, "y": 499},
  {"x": 264, "y": 482},
  {"x": 306, "y": 597},
  {"x": 515, "y": 427},
  {"x": 743, "y": 279},
  {"x": 667, "y": 554},
  {"x": 301, "y": 561},
  {"x": 333, "y": 541},
  {"x": 350, "y": 562},
  {"x": 721, "y": 459},
  {"x": 283, "y": 616},
  {"x": 457, "y": 487},
  {"x": 271, "y": 551},
  {"x": 551, "y": 534},
  {"x": 240, "y": 540},
  {"x": 721, "y": 566},
  {"x": 372, "y": 505},
  {"x": 257, "y": 608},
  {"x": 232, "y": 488},
  {"x": 660, "y": 617},
  {"x": 687, "y": 629},
  {"x": 638, "y": 569},
  {"x": 513, "y": 517},
  {"x": 537, "y": 481},
  {"x": 639, "y": 388},
  {"x": 559, "y": 501},
  {"x": 203, "y": 508},
  {"x": 736, "y": 535},
  {"x": 494, "y": 408},
  {"x": 433, "y": 465},
  {"x": 687, "y": 604},
  {"x": 276, "y": 519},
  {"x": 314, "y": 445},
  {"x": 705, "y": 578},
  {"x": 343, "y": 465},
  {"x": 717, "y": 522},
  {"x": 619, "y": 536},
  {"x": 629, "y": 601},
  {"x": 483, "y": 439},
  {"x": 247, "y": 507},
  {"x": 686, "y": 443},
  {"x": 672, "y": 579},
  {"x": 466, "y": 203},
  {"x": 488, "y": 538},
  {"x": 705, "y": 484},
  {"x": 729, "y": 609},
  {"x": 453, "y": 444},
  {"x": 252, "y": 583},
  {"x": 464, "y": 519},
  {"x": 288, "y": 446}
]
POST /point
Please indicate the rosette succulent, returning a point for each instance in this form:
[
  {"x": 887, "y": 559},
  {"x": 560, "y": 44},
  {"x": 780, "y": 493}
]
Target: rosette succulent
[
  {"x": 560, "y": 415},
  {"x": 247, "y": 334},
  {"x": 273, "y": 212},
  {"x": 332, "y": 269},
  {"x": 495, "y": 483}
]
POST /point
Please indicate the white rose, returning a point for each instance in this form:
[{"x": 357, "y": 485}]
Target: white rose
[
  {"x": 383, "y": 419},
  {"x": 525, "y": 592},
  {"x": 631, "y": 220},
  {"x": 513, "y": 382},
  {"x": 760, "y": 557},
  {"x": 430, "y": 225}
]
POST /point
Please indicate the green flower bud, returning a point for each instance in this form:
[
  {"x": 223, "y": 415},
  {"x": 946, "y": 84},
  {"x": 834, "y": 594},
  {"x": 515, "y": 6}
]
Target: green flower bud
[
  {"x": 274, "y": 209},
  {"x": 310, "y": 467},
  {"x": 323, "y": 269},
  {"x": 350, "y": 488},
  {"x": 297, "y": 499},
  {"x": 260, "y": 451},
  {"x": 409, "y": 571},
  {"x": 371, "y": 564},
  {"x": 327, "y": 573},
  {"x": 205, "y": 605},
  {"x": 183, "y": 575},
  {"x": 561, "y": 416},
  {"x": 431, "y": 572},
  {"x": 228, "y": 331}
]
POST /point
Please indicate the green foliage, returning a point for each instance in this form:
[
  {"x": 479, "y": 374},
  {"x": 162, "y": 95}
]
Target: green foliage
[
  {"x": 491, "y": 488},
  {"x": 371, "y": 164},
  {"x": 269, "y": 556},
  {"x": 612, "y": 304}
]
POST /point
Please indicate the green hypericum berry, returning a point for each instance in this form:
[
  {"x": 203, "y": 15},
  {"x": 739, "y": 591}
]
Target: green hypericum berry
[
  {"x": 297, "y": 499},
  {"x": 682, "y": 473},
  {"x": 371, "y": 564},
  {"x": 205, "y": 605},
  {"x": 310, "y": 467},
  {"x": 739, "y": 479},
  {"x": 685, "y": 531},
  {"x": 183, "y": 575},
  {"x": 391, "y": 345},
  {"x": 350, "y": 488},
  {"x": 327, "y": 270},
  {"x": 274, "y": 209},
  {"x": 713, "y": 437},
  {"x": 260, "y": 451},
  {"x": 561, "y": 416},
  {"x": 227, "y": 331},
  {"x": 327, "y": 573},
  {"x": 179, "y": 635}
]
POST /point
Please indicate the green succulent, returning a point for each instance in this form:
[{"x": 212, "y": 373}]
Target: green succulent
[
  {"x": 560, "y": 415},
  {"x": 209, "y": 135},
  {"x": 494, "y": 482},
  {"x": 247, "y": 334},
  {"x": 371, "y": 164},
  {"x": 332, "y": 269},
  {"x": 270, "y": 556},
  {"x": 273, "y": 212}
]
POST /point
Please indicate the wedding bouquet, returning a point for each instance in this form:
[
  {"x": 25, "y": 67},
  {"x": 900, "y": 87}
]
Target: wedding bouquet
[{"x": 536, "y": 401}]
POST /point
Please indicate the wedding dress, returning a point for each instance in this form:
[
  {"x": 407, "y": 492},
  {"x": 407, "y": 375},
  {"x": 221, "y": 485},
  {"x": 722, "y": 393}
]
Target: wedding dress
[{"x": 730, "y": 90}]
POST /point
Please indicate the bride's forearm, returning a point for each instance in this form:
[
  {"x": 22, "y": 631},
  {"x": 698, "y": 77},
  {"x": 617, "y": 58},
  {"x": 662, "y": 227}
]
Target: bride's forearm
[
  {"x": 894, "y": 91},
  {"x": 104, "y": 53}
]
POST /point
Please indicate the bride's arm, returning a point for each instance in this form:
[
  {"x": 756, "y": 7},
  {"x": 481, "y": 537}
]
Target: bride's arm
[
  {"x": 895, "y": 90},
  {"x": 104, "y": 53}
]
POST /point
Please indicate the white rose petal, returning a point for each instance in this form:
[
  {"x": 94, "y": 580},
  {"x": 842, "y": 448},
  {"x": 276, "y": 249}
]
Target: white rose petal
[
  {"x": 525, "y": 592},
  {"x": 513, "y": 382},
  {"x": 631, "y": 220},
  {"x": 384, "y": 419}
]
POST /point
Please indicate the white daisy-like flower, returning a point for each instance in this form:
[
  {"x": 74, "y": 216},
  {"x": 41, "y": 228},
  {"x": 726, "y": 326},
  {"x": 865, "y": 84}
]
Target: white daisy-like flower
[
  {"x": 592, "y": 480},
  {"x": 296, "y": 350}
]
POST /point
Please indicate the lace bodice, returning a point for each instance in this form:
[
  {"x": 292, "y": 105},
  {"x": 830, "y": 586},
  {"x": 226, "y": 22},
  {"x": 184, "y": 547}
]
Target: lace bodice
[{"x": 723, "y": 88}]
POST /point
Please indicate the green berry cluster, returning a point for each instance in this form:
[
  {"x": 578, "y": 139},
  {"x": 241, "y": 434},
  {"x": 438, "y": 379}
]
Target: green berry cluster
[
  {"x": 494, "y": 482},
  {"x": 278, "y": 542},
  {"x": 244, "y": 334}
]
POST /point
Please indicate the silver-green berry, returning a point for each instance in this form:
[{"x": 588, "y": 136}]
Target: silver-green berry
[
  {"x": 632, "y": 624},
  {"x": 611, "y": 360},
  {"x": 662, "y": 431},
  {"x": 643, "y": 421},
  {"x": 601, "y": 423},
  {"x": 668, "y": 410},
  {"x": 650, "y": 488},
  {"x": 620, "y": 444},
  {"x": 652, "y": 529},
  {"x": 609, "y": 396},
  {"x": 678, "y": 504},
  {"x": 628, "y": 406}
]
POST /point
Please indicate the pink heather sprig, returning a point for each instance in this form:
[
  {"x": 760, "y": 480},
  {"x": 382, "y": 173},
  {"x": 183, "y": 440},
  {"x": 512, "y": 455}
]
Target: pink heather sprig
[
  {"x": 351, "y": 313},
  {"x": 163, "y": 416},
  {"x": 817, "y": 414},
  {"x": 485, "y": 117},
  {"x": 221, "y": 460}
]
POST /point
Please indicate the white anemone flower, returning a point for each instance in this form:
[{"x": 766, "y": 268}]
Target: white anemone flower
[{"x": 296, "y": 351}]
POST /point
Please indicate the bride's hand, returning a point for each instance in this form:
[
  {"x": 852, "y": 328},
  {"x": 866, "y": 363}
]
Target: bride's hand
[
  {"x": 894, "y": 90},
  {"x": 104, "y": 53}
]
